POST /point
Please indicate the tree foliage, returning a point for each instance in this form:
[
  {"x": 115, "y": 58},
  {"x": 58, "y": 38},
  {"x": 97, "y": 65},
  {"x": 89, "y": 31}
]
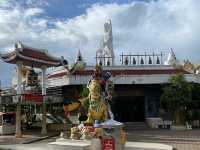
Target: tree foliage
[
  {"x": 176, "y": 97},
  {"x": 84, "y": 91}
]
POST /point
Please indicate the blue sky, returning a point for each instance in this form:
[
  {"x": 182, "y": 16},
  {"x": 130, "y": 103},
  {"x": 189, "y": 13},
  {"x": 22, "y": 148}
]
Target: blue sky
[{"x": 64, "y": 26}]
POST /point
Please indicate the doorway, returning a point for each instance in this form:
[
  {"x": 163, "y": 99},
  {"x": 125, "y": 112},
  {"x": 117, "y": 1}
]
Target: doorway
[{"x": 129, "y": 108}]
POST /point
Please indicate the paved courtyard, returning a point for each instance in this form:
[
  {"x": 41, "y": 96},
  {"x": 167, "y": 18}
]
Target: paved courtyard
[{"x": 181, "y": 140}]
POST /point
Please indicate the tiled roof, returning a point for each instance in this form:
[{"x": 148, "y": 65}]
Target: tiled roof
[
  {"x": 30, "y": 56},
  {"x": 37, "y": 55}
]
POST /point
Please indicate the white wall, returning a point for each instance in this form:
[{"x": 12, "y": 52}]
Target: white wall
[{"x": 123, "y": 79}]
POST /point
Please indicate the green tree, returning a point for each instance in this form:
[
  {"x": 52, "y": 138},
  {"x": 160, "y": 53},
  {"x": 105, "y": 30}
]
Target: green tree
[
  {"x": 195, "y": 104},
  {"x": 177, "y": 97},
  {"x": 84, "y": 96}
]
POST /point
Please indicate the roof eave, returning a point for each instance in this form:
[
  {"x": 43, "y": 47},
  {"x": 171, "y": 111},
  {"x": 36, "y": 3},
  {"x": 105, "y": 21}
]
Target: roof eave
[{"x": 41, "y": 50}]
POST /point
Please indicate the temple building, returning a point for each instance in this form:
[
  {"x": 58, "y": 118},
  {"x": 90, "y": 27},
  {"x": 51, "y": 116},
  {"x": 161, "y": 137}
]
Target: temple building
[{"x": 138, "y": 79}]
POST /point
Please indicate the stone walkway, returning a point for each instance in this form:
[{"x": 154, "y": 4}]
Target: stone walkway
[{"x": 181, "y": 140}]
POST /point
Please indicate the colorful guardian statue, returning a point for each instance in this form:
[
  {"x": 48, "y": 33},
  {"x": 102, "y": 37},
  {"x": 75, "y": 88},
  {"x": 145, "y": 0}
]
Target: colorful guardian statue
[{"x": 100, "y": 94}]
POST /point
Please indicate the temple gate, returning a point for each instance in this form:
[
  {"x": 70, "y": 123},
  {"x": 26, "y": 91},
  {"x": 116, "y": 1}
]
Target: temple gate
[{"x": 31, "y": 57}]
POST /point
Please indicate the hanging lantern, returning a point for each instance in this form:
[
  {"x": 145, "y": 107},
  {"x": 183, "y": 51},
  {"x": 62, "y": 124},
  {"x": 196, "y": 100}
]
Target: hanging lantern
[
  {"x": 134, "y": 61},
  {"x": 150, "y": 61},
  {"x": 126, "y": 61},
  {"x": 142, "y": 61},
  {"x": 157, "y": 61}
]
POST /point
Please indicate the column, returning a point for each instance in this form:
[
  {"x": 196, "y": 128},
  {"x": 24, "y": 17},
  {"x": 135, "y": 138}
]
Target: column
[
  {"x": 44, "y": 124},
  {"x": 0, "y": 99},
  {"x": 18, "y": 132}
]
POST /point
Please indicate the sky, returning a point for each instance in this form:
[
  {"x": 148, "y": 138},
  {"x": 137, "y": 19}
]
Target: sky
[{"x": 64, "y": 26}]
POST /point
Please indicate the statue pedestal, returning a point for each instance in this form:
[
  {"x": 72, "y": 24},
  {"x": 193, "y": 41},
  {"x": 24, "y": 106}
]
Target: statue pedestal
[{"x": 112, "y": 135}]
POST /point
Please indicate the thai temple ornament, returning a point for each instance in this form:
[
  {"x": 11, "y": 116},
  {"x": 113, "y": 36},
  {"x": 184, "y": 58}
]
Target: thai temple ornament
[
  {"x": 192, "y": 68},
  {"x": 188, "y": 66},
  {"x": 171, "y": 59},
  {"x": 78, "y": 65}
]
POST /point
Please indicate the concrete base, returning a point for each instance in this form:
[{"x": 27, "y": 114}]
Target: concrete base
[
  {"x": 146, "y": 146},
  {"x": 64, "y": 144}
]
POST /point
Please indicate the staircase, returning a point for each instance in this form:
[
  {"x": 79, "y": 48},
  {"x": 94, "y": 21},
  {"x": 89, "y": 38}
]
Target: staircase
[{"x": 135, "y": 126}]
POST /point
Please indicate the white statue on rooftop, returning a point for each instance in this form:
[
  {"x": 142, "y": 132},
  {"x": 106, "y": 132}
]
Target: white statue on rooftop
[{"x": 106, "y": 53}]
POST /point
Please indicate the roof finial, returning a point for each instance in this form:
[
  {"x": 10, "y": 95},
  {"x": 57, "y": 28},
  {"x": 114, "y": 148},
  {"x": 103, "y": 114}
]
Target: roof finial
[
  {"x": 79, "y": 56},
  {"x": 171, "y": 59},
  {"x": 18, "y": 45}
]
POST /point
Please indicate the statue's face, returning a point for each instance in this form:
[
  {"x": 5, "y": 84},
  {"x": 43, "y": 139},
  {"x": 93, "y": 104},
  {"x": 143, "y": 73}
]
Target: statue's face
[{"x": 97, "y": 71}]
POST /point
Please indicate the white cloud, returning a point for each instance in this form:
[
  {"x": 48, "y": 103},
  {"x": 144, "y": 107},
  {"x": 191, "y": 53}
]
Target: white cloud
[
  {"x": 32, "y": 12},
  {"x": 137, "y": 26},
  {"x": 37, "y": 3}
]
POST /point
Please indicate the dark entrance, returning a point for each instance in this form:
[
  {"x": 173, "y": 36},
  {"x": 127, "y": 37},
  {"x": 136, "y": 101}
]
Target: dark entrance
[{"x": 129, "y": 109}]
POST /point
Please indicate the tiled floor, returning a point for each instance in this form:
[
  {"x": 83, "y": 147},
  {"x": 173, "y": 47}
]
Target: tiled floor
[{"x": 181, "y": 140}]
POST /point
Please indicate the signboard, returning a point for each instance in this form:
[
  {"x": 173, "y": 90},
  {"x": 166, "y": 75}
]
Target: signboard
[
  {"x": 34, "y": 98},
  {"x": 108, "y": 144}
]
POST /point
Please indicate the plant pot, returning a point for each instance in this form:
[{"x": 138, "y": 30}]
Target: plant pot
[{"x": 178, "y": 127}]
